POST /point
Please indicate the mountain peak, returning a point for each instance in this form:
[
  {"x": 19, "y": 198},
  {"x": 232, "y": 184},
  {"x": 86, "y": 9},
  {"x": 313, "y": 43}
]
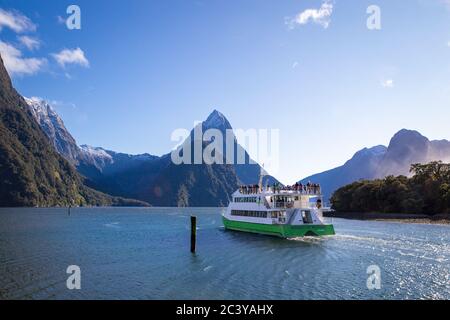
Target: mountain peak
[
  {"x": 407, "y": 133},
  {"x": 407, "y": 137},
  {"x": 216, "y": 112},
  {"x": 53, "y": 126},
  {"x": 41, "y": 109},
  {"x": 216, "y": 120}
]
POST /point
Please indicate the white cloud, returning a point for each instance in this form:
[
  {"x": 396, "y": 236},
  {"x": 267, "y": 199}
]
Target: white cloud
[
  {"x": 16, "y": 64},
  {"x": 67, "y": 56},
  {"x": 295, "y": 65},
  {"x": 29, "y": 42},
  {"x": 321, "y": 16},
  {"x": 15, "y": 21},
  {"x": 389, "y": 83}
]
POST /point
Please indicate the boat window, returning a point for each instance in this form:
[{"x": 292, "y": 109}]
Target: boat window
[
  {"x": 247, "y": 213},
  {"x": 306, "y": 216},
  {"x": 246, "y": 199}
]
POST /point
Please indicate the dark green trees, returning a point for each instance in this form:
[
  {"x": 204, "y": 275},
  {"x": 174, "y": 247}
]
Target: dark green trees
[{"x": 428, "y": 192}]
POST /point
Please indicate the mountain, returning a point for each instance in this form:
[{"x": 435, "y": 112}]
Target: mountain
[
  {"x": 150, "y": 178},
  {"x": 90, "y": 160},
  {"x": 405, "y": 148},
  {"x": 96, "y": 164},
  {"x": 54, "y": 128},
  {"x": 248, "y": 172},
  {"x": 162, "y": 183},
  {"x": 110, "y": 162},
  {"x": 32, "y": 173},
  {"x": 362, "y": 165},
  {"x": 197, "y": 184}
]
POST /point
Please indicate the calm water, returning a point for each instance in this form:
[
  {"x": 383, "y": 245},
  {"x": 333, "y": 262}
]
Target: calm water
[{"x": 144, "y": 254}]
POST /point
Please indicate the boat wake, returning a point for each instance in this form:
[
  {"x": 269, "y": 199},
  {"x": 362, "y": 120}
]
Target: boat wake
[{"x": 308, "y": 239}]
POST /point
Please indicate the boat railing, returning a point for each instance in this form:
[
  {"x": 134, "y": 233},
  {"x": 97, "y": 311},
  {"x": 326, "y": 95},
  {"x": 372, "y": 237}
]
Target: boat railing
[
  {"x": 290, "y": 205},
  {"x": 286, "y": 191},
  {"x": 312, "y": 191}
]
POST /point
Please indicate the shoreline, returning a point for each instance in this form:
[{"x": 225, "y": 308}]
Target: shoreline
[{"x": 442, "y": 219}]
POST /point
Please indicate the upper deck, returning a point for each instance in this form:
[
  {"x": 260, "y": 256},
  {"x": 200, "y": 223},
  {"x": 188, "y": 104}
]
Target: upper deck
[
  {"x": 312, "y": 189},
  {"x": 297, "y": 196}
]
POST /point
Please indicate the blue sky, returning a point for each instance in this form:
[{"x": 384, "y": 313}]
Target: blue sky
[{"x": 146, "y": 68}]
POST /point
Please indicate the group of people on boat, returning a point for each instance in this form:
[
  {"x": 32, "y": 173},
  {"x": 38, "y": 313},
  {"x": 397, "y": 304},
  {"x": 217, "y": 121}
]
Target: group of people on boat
[
  {"x": 249, "y": 189},
  {"x": 308, "y": 188}
]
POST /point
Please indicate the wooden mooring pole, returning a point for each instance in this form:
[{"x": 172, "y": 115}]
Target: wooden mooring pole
[{"x": 193, "y": 232}]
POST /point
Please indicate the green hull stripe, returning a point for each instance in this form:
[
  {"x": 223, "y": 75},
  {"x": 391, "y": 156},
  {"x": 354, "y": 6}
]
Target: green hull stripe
[{"x": 284, "y": 231}]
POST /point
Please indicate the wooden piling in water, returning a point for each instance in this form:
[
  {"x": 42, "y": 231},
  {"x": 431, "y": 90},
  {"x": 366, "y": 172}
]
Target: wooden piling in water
[{"x": 193, "y": 232}]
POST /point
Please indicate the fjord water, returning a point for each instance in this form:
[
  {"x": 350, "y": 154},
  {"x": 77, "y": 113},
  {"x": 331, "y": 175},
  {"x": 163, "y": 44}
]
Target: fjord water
[{"x": 134, "y": 253}]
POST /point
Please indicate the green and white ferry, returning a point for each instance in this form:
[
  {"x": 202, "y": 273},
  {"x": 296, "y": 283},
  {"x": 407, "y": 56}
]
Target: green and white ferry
[{"x": 291, "y": 212}]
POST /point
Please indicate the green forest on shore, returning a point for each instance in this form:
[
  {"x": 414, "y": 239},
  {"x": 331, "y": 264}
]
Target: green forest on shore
[{"x": 426, "y": 192}]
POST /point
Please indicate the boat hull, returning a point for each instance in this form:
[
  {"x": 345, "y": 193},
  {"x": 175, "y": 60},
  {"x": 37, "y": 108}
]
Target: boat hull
[{"x": 280, "y": 230}]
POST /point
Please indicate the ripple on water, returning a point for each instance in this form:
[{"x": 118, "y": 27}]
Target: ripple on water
[{"x": 149, "y": 258}]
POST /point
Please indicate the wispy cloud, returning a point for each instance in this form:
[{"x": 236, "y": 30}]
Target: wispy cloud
[
  {"x": 12, "y": 57},
  {"x": 388, "y": 83},
  {"x": 68, "y": 56},
  {"x": 16, "y": 21},
  {"x": 30, "y": 42},
  {"x": 321, "y": 16},
  {"x": 295, "y": 65},
  {"x": 16, "y": 64}
]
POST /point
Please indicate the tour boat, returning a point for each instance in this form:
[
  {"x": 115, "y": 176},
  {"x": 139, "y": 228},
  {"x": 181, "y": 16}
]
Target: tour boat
[{"x": 287, "y": 212}]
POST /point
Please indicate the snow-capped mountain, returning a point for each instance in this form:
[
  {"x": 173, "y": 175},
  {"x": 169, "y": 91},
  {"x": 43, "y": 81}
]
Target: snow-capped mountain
[
  {"x": 155, "y": 179},
  {"x": 88, "y": 160},
  {"x": 32, "y": 172},
  {"x": 107, "y": 161},
  {"x": 54, "y": 128}
]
